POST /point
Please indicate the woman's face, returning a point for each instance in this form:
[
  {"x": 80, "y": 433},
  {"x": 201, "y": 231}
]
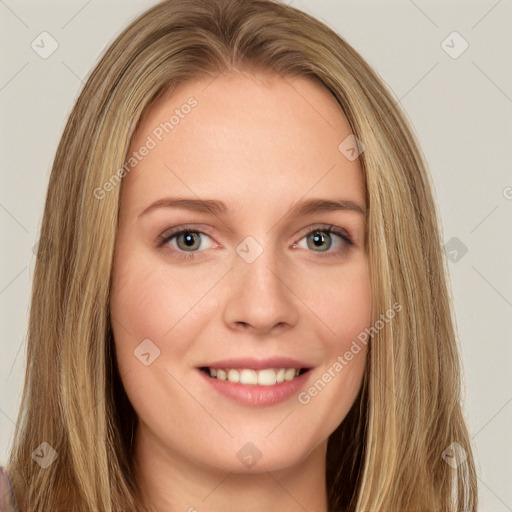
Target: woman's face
[{"x": 248, "y": 292}]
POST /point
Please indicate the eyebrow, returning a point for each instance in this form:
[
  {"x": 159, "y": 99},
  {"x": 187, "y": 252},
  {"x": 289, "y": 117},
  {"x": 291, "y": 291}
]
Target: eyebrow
[{"x": 214, "y": 207}]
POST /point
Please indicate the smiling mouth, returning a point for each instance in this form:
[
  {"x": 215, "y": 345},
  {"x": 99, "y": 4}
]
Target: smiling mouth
[{"x": 252, "y": 377}]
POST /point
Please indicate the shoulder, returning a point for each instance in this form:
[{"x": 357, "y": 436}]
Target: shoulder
[{"x": 7, "y": 499}]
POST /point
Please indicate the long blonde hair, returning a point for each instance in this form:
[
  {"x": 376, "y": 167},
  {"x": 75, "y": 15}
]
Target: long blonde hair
[{"x": 387, "y": 455}]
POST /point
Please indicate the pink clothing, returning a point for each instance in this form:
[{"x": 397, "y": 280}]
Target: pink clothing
[{"x": 7, "y": 499}]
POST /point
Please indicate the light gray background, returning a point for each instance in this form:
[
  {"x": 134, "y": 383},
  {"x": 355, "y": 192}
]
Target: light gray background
[{"x": 461, "y": 110}]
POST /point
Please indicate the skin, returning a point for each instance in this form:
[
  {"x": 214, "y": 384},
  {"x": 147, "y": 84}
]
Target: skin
[{"x": 260, "y": 144}]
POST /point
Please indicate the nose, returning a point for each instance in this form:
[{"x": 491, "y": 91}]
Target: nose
[{"x": 261, "y": 296}]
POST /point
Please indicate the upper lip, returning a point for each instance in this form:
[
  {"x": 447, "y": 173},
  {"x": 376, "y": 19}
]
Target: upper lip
[{"x": 258, "y": 364}]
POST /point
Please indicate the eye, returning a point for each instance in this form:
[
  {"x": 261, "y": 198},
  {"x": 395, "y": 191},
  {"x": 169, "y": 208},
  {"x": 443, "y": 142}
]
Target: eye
[
  {"x": 321, "y": 238},
  {"x": 184, "y": 241},
  {"x": 187, "y": 241}
]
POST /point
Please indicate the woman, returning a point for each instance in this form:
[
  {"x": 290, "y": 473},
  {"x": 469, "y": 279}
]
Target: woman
[{"x": 259, "y": 368}]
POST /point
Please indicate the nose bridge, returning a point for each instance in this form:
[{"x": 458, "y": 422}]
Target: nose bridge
[
  {"x": 263, "y": 272},
  {"x": 259, "y": 294}
]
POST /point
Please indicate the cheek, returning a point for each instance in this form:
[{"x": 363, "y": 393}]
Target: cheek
[
  {"x": 134, "y": 302},
  {"x": 151, "y": 301},
  {"x": 341, "y": 299},
  {"x": 344, "y": 309},
  {"x": 146, "y": 299},
  {"x": 142, "y": 304},
  {"x": 334, "y": 388}
]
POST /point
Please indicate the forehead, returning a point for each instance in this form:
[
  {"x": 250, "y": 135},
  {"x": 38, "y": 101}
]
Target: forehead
[{"x": 251, "y": 140}]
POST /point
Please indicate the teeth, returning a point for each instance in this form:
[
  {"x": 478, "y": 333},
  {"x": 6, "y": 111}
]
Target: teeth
[
  {"x": 249, "y": 377},
  {"x": 234, "y": 376},
  {"x": 266, "y": 377}
]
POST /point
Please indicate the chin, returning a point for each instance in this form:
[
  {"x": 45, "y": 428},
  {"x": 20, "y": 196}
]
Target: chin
[{"x": 260, "y": 456}]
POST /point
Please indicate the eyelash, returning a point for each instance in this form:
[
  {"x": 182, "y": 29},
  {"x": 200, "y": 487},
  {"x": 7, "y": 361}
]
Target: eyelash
[{"x": 174, "y": 232}]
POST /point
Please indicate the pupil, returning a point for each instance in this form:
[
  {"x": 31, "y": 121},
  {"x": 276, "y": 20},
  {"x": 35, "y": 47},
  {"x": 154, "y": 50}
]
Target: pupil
[
  {"x": 319, "y": 239},
  {"x": 189, "y": 239}
]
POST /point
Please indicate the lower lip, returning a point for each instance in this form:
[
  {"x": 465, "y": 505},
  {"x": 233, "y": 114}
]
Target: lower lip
[{"x": 255, "y": 395}]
